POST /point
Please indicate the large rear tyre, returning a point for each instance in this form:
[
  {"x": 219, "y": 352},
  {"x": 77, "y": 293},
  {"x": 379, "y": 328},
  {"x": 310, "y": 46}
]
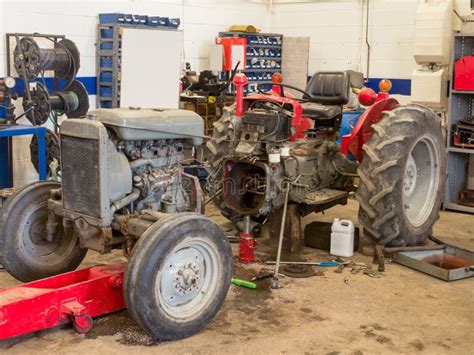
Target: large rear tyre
[
  {"x": 178, "y": 276},
  {"x": 25, "y": 251},
  {"x": 403, "y": 173}
]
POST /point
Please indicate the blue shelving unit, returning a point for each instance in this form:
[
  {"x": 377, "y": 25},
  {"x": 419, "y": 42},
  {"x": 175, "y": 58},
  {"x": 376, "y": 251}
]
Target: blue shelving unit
[
  {"x": 109, "y": 50},
  {"x": 461, "y": 105},
  {"x": 263, "y": 56}
]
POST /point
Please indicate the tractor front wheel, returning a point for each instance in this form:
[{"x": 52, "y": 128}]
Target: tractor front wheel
[
  {"x": 178, "y": 276},
  {"x": 402, "y": 175}
]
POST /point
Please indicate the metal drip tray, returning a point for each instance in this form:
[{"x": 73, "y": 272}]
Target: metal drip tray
[{"x": 450, "y": 264}]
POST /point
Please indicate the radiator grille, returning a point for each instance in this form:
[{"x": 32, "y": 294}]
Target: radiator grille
[{"x": 80, "y": 175}]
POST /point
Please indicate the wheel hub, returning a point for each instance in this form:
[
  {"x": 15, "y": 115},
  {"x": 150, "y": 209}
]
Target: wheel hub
[
  {"x": 181, "y": 282},
  {"x": 37, "y": 231},
  {"x": 35, "y": 243},
  {"x": 421, "y": 181},
  {"x": 411, "y": 173},
  {"x": 187, "y": 279}
]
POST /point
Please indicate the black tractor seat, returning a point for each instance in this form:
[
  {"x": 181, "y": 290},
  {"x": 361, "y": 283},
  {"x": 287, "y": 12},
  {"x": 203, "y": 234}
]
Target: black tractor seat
[
  {"x": 328, "y": 92},
  {"x": 320, "y": 112}
]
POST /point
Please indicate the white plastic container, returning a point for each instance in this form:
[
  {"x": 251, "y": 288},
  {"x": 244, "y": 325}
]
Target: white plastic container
[
  {"x": 342, "y": 237},
  {"x": 285, "y": 152},
  {"x": 274, "y": 157}
]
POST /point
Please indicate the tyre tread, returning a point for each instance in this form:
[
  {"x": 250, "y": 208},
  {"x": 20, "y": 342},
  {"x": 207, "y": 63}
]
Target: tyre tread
[{"x": 381, "y": 175}]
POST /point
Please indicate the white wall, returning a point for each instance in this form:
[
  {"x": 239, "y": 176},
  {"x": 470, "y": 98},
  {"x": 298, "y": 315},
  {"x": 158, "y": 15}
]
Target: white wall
[{"x": 337, "y": 32}]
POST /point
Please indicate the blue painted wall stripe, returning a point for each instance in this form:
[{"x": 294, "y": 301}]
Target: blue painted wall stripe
[
  {"x": 399, "y": 86},
  {"x": 89, "y": 82}
]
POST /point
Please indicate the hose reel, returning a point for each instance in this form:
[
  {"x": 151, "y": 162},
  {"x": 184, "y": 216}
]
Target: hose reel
[
  {"x": 74, "y": 102},
  {"x": 30, "y": 60}
]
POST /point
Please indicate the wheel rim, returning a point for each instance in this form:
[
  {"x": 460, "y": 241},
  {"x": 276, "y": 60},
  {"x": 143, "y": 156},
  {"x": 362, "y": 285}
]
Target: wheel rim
[
  {"x": 421, "y": 181},
  {"x": 188, "y": 279},
  {"x": 34, "y": 245}
]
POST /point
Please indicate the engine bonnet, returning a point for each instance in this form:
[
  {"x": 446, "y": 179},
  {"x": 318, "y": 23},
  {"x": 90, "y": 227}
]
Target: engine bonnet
[{"x": 152, "y": 124}]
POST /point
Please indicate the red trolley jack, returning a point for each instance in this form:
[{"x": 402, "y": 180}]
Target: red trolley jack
[
  {"x": 247, "y": 242},
  {"x": 75, "y": 296}
]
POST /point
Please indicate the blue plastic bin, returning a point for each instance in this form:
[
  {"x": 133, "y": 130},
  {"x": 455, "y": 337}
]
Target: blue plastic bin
[
  {"x": 105, "y": 77},
  {"x": 106, "y": 104},
  {"x": 164, "y": 21},
  {"x": 105, "y": 91},
  {"x": 174, "y": 22},
  {"x": 107, "y": 33},
  {"x": 108, "y": 45},
  {"x": 135, "y": 19},
  {"x": 153, "y": 21},
  {"x": 109, "y": 18},
  {"x": 106, "y": 62}
]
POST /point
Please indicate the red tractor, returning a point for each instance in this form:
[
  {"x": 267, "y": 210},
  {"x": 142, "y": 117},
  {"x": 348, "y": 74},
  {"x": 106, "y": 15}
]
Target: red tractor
[{"x": 273, "y": 149}]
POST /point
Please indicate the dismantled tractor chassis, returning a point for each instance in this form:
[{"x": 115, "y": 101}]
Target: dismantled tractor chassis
[
  {"x": 123, "y": 186},
  {"x": 272, "y": 148}
]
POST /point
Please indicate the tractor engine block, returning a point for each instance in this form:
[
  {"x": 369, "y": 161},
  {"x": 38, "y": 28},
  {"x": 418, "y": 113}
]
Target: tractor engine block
[
  {"x": 254, "y": 158},
  {"x": 157, "y": 174}
]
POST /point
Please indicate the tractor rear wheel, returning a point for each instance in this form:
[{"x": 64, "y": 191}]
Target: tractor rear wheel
[
  {"x": 178, "y": 276},
  {"x": 402, "y": 175}
]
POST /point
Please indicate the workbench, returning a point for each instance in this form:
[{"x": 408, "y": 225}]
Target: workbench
[
  {"x": 201, "y": 105},
  {"x": 6, "y": 132}
]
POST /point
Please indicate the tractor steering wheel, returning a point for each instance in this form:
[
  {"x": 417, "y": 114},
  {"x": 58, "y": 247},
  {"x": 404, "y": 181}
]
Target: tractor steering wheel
[{"x": 306, "y": 96}]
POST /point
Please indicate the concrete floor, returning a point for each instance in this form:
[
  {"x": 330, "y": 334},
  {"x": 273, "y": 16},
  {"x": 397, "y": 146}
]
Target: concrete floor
[{"x": 333, "y": 313}]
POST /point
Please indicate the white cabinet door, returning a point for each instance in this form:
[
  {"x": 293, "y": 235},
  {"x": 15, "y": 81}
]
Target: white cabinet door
[{"x": 151, "y": 68}]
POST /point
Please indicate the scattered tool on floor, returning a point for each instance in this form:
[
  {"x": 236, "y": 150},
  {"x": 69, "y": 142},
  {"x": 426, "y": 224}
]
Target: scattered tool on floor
[
  {"x": 373, "y": 273},
  {"x": 357, "y": 268},
  {"x": 263, "y": 276},
  {"x": 275, "y": 283},
  {"x": 243, "y": 283},
  {"x": 299, "y": 271},
  {"x": 310, "y": 263},
  {"x": 233, "y": 239}
]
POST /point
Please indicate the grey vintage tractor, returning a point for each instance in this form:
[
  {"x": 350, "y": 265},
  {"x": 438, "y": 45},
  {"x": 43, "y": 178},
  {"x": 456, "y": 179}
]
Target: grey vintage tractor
[
  {"x": 123, "y": 186},
  {"x": 273, "y": 148}
]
